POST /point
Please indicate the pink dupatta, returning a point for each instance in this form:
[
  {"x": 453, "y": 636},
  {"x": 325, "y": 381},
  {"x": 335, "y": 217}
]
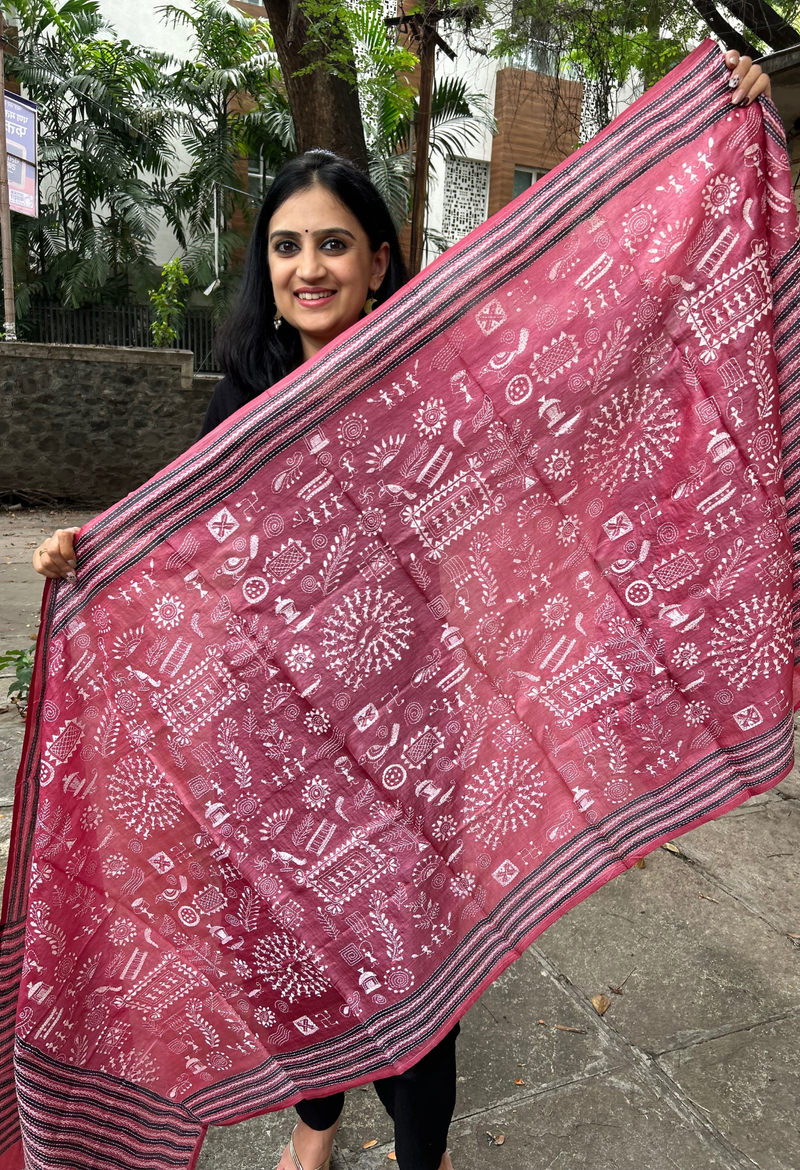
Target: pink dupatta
[{"x": 355, "y": 698}]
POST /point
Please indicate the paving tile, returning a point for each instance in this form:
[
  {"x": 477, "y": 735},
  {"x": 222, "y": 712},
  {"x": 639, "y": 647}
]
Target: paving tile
[
  {"x": 750, "y": 1083},
  {"x": 694, "y": 964}
]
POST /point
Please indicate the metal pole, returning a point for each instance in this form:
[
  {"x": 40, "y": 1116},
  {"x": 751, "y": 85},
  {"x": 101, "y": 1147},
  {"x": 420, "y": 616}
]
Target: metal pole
[
  {"x": 9, "y": 323},
  {"x": 427, "y": 63}
]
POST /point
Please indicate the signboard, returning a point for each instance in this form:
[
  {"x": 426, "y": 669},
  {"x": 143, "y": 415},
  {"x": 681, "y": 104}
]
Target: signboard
[{"x": 23, "y": 189}]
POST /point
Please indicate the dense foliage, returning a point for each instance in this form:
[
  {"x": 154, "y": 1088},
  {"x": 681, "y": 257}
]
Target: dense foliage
[{"x": 131, "y": 138}]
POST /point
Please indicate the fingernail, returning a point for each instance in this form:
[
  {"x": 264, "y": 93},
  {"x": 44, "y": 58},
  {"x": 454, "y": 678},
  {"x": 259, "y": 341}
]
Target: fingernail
[
  {"x": 733, "y": 81},
  {"x": 74, "y": 564},
  {"x": 71, "y": 577},
  {"x": 736, "y": 100}
]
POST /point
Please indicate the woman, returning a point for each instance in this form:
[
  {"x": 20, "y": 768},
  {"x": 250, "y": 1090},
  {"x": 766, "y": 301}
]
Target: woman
[{"x": 323, "y": 252}]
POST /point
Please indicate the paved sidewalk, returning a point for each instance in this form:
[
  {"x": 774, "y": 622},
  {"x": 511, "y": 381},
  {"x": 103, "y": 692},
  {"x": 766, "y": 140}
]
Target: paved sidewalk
[{"x": 693, "y": 1067}]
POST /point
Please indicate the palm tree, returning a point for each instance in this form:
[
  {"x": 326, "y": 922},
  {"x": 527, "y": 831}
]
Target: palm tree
[
  {"x": 231, "y": 105},
  {"x": 104, "y": 140}
]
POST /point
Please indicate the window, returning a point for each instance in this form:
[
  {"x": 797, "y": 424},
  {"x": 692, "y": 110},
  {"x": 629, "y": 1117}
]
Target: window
[
  {"x": 466, "y": 196},
  {"x": 525, "y": 177},
  {"x": 258, "y": 178}
]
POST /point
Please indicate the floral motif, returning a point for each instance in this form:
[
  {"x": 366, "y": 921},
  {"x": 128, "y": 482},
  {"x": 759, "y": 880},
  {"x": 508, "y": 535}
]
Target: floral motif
[
  {"x": 316, "y": 792},
  {"x": 568, "y": 530},
  {"x": 122, "y": 932},
  {"x": 444, "y": 828},
  {"x": 555, "y": 611},
  {"x": 430, "y": 418},
  {"x": 168, "y": 611},
  {"x": 720, "y": 194},
  {"x": 300, "y": 657},
  {"x": 696, "y": 713},
  {"x": 686, "y": 655},
  {"x": 317, "y": 721},
  {"x": 558, "y": 465}
]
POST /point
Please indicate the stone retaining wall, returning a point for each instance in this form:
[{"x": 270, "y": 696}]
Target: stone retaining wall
[{"x": 89, "y": 424}]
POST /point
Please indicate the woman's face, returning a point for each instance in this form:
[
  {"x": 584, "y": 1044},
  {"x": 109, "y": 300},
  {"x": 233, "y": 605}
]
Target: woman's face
[{"x": 321, "y": 266}]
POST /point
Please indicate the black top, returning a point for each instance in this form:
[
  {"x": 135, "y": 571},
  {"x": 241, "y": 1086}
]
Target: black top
[{"x": 225, "y": 401}]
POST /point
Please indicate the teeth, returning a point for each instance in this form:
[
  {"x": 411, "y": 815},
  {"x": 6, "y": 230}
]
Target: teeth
[{"x": 304, "y": 296}]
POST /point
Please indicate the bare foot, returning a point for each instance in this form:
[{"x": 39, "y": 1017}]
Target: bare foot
[
  {"x": 445, "y": 1163},
  {"x": 312, "y": 1146}
]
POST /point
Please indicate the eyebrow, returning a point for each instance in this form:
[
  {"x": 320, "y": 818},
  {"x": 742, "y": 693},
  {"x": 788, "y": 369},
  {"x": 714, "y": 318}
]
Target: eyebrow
[{"x": 323, "y": 232}]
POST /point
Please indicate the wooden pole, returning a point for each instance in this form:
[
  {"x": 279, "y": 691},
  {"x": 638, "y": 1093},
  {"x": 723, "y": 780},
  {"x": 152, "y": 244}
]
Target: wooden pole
[
  {"x": 9, "y": 322},
  {"x": 427, "y": 65}
]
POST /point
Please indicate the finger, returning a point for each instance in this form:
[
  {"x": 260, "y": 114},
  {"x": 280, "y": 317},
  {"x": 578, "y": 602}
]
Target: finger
[
  {"x": 747, "y": 80},
  {"x": 50, "y": 555},
  {"x": 732, "y": 59},
  {"x": 761, "y": 88},
  {"x": 44, "y": 564},
  {"x": 66, "y": 546}
]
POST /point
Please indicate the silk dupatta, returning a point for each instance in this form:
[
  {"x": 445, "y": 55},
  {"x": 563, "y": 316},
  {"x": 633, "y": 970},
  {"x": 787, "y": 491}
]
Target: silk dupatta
[{"x": 410, "y": 656}]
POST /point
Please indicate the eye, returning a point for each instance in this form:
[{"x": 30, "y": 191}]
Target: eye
[
  {"x": 285, "y": 247},
  {"x": 334, "y": 244}
]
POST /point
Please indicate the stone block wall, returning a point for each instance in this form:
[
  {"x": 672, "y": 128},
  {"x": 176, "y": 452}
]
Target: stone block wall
[{"x": 89, "y": 424}]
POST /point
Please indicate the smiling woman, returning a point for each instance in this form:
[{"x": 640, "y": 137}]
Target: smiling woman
[
  {"x": 323, "y": 252},
  {"x": 323, "y": 277}
]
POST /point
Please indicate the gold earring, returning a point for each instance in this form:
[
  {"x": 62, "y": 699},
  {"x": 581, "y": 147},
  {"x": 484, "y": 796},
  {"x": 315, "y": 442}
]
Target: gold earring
[
  {"x": 276, "y": 321},
  {"x": 370, "y": 302}
]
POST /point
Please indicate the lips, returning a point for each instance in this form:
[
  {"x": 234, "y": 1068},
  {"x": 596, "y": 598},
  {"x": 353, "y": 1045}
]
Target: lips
[{"x": 308, "y": 296}]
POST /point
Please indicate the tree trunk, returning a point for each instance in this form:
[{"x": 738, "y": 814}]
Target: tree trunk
[
  {"x": 767, "y": 24},
  {"x": 427, "y": 59},
  {"x": 324, "y": 107},
  {"x": 730, "y": 38}
]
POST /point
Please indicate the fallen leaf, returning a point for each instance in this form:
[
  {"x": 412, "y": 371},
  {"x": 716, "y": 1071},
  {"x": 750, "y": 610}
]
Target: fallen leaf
[
  {"x": 672, "y": 848},
  {"x": 566, "y": 1028},
  {"x": 640, "y": 863},
  {"x": 519, "y": 1082},
  {"x": 368, "y": 1145},
  {"x": 601, "y": 1003},
  {"x": 495, "y": 1140},
  {"x": 392, "y": 1156},
  {"x": 714, "y": 900},
  {"x": 540, "y": 1021}
]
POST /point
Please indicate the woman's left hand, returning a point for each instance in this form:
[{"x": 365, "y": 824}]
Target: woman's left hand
[{"x": 749, "y": 80}]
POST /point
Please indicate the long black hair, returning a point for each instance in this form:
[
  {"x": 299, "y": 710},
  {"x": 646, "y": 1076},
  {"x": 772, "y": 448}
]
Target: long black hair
[{"x": 249, "y": 349}]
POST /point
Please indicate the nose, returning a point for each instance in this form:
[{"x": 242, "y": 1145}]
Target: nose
[{"x": 310, "y": 267}]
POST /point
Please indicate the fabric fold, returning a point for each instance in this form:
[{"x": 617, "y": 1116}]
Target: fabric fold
[{"x": 415, "y": 652}]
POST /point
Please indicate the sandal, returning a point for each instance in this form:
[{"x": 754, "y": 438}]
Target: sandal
[{"x": 298, "y": 1164}]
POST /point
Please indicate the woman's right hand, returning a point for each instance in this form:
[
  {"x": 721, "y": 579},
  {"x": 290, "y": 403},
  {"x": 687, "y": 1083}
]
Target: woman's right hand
[{"x": 55, "y": 557}]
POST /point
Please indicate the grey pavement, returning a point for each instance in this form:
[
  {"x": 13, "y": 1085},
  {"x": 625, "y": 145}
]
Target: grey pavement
[{"x": 693, "y": 1067}]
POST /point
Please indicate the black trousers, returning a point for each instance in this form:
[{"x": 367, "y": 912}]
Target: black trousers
[{"x": 419, "y": 1101}]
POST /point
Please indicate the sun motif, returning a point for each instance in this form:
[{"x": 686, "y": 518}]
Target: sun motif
[
  {"x": 430, "y": 418},
  {"x": 555, "y": 611},
  {"x": 167, "y": 611},
  {"x": 557, "y": 465},
  {"x": 719, "y": 195}
]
